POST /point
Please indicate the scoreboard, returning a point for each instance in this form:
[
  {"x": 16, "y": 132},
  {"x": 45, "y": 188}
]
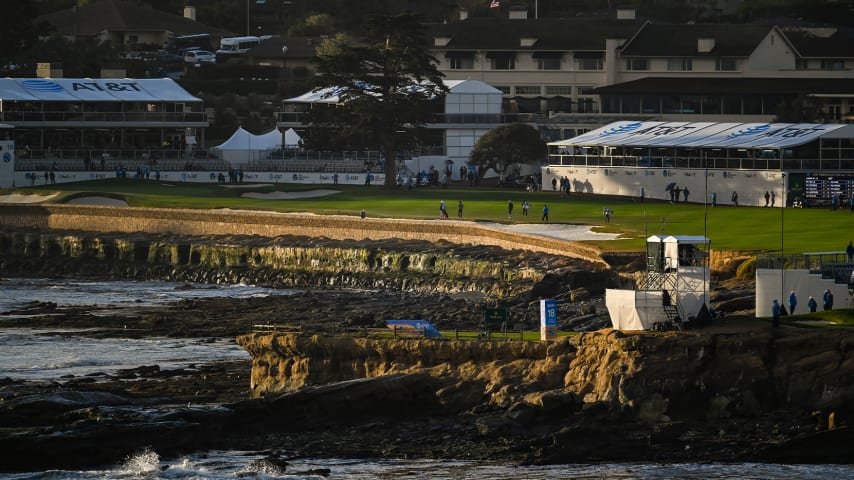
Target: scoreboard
[{"x": 819, "y": 189}]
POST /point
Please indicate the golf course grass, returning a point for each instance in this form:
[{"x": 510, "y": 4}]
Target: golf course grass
[{"x": 753, "y": 229}]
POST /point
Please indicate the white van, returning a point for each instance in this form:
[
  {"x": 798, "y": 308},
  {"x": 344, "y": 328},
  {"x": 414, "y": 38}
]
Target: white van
[{"x": 238, "y": 45}]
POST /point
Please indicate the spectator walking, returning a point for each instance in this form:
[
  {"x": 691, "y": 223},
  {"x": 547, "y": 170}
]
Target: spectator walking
[
  {"x": 642, "y": 194},
  {"x": 793, "y": 302},
  {"x": 443, "y": 210},
  {"x": 812, "y": 305},
  {"x": 714, "y": 199},
  {"x": 773, "y": 198},
  {"x": 525, "y": 207},
  {"x": 734, "y": 198},
  {"x": 827, "y": 300},
  {"x": 607, "y": 214},
  {"x": 545, "y": 213},
  {"x": 460, "y": 209},
  {"x": 685, "y": 194},
  {"x": 849, "y": 250},
  {"x": 767, "y": 197},
  {"x": 775, "y": 313},
  {"x": 509, "y": 208}
]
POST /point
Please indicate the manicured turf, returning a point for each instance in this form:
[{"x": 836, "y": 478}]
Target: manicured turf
[{"x": 753, "y": 229}]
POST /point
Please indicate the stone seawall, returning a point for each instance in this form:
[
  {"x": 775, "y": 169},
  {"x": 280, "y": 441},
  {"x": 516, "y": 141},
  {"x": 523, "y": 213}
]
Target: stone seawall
[
  {"x": 268, "y": 224},
  {"x": 702, "y": 375}
]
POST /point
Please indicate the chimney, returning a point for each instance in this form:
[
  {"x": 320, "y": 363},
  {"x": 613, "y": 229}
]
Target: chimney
[
  {"x": 626, "y": 14},
  {"x": 705, "y": 44},
  {"x": 190, "y": 12},
  {"x": 464, "y": 14},
  {"x": 518, "y": 13}
]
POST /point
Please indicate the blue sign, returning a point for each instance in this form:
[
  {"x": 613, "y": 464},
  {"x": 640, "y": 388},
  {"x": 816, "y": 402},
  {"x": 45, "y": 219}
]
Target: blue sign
[{"x": 548, "y": 313}]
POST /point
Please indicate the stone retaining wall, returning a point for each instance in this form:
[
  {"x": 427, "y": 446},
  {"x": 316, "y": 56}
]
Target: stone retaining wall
[{"x": 106, "y": 219}]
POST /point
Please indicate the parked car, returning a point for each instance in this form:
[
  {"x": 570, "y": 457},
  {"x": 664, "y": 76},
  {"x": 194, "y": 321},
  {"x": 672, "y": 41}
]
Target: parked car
[{"x": 196, "y": 56}]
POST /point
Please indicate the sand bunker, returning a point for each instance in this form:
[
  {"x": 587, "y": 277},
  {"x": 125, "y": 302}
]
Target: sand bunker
[
  {"x": 553, "y": 230},
  {"x": 25, "y": 198},
  {"x": 289, "y": 195},
  {"x": 98, "y": 201}
]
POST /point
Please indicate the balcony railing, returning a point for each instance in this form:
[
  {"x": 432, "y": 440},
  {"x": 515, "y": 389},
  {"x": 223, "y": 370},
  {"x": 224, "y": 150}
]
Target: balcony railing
[{"x": 103, "y": 117}]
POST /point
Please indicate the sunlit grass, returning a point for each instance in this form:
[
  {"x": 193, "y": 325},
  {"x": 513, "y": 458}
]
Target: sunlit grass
[{"x": 753, "y": 229}]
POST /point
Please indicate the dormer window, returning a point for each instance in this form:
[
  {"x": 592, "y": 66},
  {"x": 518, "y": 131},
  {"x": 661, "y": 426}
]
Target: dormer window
[
  {"x": 441, "y": 41},
  {"x": 528, "y": 41}
]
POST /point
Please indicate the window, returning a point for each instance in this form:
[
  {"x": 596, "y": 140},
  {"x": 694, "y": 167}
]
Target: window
[
  {"x": 559, "y": 90},
  {"x": 589, "y": 63},
  {"x": 801, "y": 64},
  {"x": 501, "y": 60},
  {"x": 461, "y": 62},
  {"x": 679, "y": 65},
  {"x": 725, "y": 64},
  {"x": 550, "y": 63},
  {"x": 587, "y": 105},
  {"x": 527, "y": 90},
  {"x": 585, "y": 90},
  {"x": 637, "y": 64}
]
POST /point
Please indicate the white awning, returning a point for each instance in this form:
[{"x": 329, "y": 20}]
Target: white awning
[
  {"x": 93, "y": 90},
  {"x": 701, "y": 135}
]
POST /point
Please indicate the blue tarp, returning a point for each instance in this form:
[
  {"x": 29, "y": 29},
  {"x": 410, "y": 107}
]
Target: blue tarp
[{"x": 422, "y": 326}]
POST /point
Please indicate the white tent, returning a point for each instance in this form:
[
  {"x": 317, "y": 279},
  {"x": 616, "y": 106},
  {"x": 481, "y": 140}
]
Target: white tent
[
  {"x": 292, "y": 138},
  {"x": 243, "y": 146},
  {"x": 276, "y": 139}
]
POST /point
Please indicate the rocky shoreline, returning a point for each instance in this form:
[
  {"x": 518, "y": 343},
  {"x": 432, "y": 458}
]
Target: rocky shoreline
[{"x": 398, "y": 416}]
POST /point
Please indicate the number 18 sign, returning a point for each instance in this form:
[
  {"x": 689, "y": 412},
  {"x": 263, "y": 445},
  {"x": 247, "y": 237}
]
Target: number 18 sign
[{"x": 548, "y": 319}]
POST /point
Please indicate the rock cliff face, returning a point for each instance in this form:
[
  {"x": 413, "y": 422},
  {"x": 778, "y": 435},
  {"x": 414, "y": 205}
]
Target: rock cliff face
[
  {"x": 723, "y": 373},
  {"x": 294, "y": 262}
]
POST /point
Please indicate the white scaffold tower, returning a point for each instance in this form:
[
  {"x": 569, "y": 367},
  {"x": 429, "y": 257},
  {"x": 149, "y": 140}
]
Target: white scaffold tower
[{"x": 674, "y": 291}]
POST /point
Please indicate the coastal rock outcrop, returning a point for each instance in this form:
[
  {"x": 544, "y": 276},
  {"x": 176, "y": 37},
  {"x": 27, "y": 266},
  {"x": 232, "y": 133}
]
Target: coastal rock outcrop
[{"x": 740, "y": 385}]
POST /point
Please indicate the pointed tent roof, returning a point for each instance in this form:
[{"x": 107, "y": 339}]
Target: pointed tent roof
[
  {"x": 271, "y": 139},
  {"x": 292, "y": 137},
  {"x": 243, "y": 140},
  {"x": 239, "y": 140}
]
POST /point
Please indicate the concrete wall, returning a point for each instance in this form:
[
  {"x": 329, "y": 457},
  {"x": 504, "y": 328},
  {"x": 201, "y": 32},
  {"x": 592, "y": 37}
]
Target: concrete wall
[{"x": 778, "y": 284}]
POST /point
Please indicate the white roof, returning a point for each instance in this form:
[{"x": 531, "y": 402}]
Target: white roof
[
  {"x": 94, "y": 90},
  {"x": 693, "y": 239},
  {"x": 701, "y": 134},
  {"x": 329, "y": 94}
]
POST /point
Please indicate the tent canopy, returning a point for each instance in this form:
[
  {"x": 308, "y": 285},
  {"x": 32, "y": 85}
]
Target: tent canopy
[
  {"x": 701, "y": 135},
  {"x": 93, "y": 89},
  {"x": 243, "y": 140}
]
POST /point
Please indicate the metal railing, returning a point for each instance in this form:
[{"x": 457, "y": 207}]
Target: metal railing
[{"x": 103, "y": 117}]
